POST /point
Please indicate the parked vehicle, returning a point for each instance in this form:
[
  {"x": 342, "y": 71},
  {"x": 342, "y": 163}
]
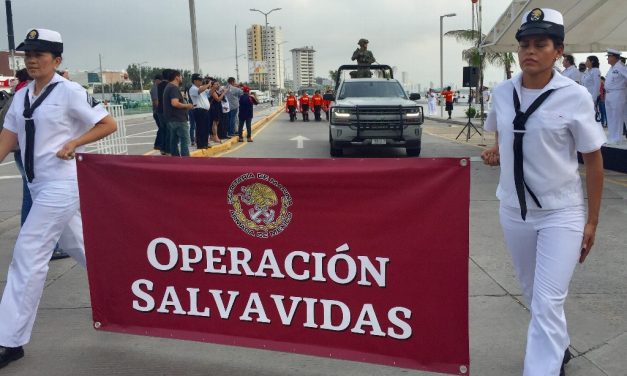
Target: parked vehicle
[{"x": 377, "y": 112}]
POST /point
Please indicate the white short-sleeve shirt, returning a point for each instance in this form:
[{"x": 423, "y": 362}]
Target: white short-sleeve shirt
[
  {"x": 200, "y": 100},
  {"x": 572, "y": 73},
  {"x": 67, "y": 113},
  {"x": 561, "y": 126}
]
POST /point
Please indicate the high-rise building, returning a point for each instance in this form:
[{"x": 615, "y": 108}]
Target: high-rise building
[
  {"x": 303, "y": 66},
  {"x": 265, "y": 56}
]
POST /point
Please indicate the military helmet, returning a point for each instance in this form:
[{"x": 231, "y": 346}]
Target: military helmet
[{"x": 362, "y": 41}]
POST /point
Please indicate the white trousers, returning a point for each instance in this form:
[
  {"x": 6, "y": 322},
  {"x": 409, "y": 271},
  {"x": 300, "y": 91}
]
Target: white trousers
[
  {"x": 431, "y": 107},
  {"x": 54, "y": 217},
  {"x": 545, "y": 250},
  {"x": 615, "y": 110}
]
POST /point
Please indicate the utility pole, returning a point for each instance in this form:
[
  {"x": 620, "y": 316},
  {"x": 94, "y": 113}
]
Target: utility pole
[
  {"x": 101, "y": 78},
  {"x": 192, "y": 21},
  {"x": 236, "y": 57},
  {"x": 7, "y": 4}
]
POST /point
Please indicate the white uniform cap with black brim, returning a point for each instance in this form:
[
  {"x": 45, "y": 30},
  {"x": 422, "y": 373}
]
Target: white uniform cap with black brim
[
  {"x": 613, "y": 51},
  {"x": 543, "y": 21},
  {"x": 42, "y": 40}
]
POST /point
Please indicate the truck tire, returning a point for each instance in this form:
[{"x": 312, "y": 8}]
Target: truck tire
[
  {"x": 413, "y": 152},
  {"x": 336, "y": 152}
]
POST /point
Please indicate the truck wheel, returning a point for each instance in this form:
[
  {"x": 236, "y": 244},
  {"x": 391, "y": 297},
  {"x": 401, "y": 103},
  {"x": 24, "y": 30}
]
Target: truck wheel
[
  {"x": 336, "y": 152},
  {"x": 413, "y": 152}
]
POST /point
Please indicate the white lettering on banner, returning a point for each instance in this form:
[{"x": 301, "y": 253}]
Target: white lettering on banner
[
  {"x": 173, "y": 255},
  {"x": 323, "y": 314},
  {"x": 242, "y": 263},
  {"x": 225, "y": 312},
  {"x": 147, "y": 298},
  {"x": 255, "y": 306},
  {"x": 336, "y": 315},
  {"x": 286, "y": 318}
]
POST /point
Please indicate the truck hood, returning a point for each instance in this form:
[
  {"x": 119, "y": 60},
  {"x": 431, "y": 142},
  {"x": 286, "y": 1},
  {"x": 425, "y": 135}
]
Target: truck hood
[{"x": 374, "y": 101}]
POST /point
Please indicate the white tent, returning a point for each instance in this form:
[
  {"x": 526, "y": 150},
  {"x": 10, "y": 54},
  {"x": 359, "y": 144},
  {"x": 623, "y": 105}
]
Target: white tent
[{"x": 590, "y": 25}]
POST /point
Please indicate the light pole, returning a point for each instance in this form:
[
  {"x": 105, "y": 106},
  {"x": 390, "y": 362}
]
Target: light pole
[
  {"x": 141, "y": 82},
  {"x": 192, "y": 21},
  {"x": 442, "y": 58},
  {"x": 264, "y": 38},
  {"x": 9, "y": 14},
  {"x": 282, "y": 60}
]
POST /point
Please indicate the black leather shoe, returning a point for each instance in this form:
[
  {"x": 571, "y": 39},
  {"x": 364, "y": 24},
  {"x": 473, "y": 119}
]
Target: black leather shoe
[
  {"x": 567, "y": 357},
  {"x": 9, "y": 354}
]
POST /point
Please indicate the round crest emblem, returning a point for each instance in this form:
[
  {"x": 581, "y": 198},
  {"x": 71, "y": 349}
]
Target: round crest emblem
[
  {"x": 33, "y": 34},
  {"x": 259, "y": 205},
  {"x": 535, "y": 15}
]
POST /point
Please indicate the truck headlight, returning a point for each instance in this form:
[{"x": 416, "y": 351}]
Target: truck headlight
[
  {"x": 340, "y": 115},
  {"x": 413, "y": 115}
]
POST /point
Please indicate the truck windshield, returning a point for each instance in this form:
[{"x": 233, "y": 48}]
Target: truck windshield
[{"x": 379, "y": 89}]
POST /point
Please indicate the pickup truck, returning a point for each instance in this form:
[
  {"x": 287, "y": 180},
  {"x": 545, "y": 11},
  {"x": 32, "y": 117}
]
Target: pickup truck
[{"x": 373, "y": 112}]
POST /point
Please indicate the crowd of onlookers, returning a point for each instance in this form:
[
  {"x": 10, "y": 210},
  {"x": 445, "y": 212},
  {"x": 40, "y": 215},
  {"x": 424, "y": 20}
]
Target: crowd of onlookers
[{"x": 204, "y": 115}]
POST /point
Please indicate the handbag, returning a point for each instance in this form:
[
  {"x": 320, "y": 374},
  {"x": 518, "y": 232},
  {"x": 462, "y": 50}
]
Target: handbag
[
  {"x": 225, "y": 106},
  {"x": 597, "y": 113}
]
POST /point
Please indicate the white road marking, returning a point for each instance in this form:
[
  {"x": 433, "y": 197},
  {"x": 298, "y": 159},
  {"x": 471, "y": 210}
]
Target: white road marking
[{"x": 299, "y": 141}]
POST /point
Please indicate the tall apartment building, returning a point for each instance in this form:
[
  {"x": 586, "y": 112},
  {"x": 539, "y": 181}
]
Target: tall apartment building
[
  {"x": 265, "y": 68},
  {"x": 303, "y": 66}
]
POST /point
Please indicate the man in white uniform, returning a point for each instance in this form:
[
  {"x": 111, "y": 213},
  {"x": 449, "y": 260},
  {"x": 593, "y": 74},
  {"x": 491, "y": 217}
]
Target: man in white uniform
[
  {"x": 615, "y": 87},
  {"x": 570, "y": 70},
  {"x": 63, "y": 116}
]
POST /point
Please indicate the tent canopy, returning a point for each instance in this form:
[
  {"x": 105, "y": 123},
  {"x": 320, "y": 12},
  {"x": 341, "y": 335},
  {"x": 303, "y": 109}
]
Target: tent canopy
[{"x": 590, "y": 25}]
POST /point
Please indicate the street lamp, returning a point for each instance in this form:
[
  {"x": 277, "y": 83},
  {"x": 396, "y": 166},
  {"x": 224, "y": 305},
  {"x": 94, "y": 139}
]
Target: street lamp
[
  {"x": 282, "y": 60},
  {"x": 442, "y": 58},
  {"x": 265, "y": 39}
]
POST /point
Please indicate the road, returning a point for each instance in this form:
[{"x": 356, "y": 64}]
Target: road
[{"x": 65, "y": 343}]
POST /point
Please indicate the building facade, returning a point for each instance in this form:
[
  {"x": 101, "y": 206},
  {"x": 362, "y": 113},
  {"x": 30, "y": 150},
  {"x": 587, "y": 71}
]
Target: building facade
[
  {"x": 6, "y": 63},
  {"x": 265, "y": 56},
  {"x": 303, "y": 66}
]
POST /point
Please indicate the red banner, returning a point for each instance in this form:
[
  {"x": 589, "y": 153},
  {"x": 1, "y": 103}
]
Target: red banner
[{"x": 358, "y": 259}]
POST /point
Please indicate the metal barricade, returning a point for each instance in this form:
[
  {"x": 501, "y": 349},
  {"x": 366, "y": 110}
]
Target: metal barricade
[{"x": 115, "y": 143}]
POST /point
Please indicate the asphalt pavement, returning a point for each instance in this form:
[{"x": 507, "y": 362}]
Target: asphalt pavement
[{"x": 65, "y": 343}]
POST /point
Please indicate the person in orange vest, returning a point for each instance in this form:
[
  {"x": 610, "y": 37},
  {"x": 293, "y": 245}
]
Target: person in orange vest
[
  {"x": 290, "y": 105},
  {"x": 304, "y": 105},
  {"x": 316, "y": 102},
  {"x": 448, "y": 96},
  {"x": 326, "y": 104}
]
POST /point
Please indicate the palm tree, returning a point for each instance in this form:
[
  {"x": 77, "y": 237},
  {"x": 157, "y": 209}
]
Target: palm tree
[{"x": 472, "y": 56}]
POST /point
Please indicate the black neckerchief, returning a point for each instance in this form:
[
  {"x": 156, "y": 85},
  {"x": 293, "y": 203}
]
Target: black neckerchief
[{"x": 29, "y": 163}]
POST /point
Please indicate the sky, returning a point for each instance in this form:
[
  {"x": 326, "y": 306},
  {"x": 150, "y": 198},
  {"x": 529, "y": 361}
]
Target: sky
[{"x": 402, "y": 33}]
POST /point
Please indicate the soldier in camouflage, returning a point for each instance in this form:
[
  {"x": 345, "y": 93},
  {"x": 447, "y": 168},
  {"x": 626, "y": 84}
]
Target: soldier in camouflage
[{"x": 363, "y": 57}]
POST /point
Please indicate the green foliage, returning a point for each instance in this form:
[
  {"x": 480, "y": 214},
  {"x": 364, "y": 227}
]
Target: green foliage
[
  {"x": 471, "y": 112},
  {"x": 472, "y": 56}
]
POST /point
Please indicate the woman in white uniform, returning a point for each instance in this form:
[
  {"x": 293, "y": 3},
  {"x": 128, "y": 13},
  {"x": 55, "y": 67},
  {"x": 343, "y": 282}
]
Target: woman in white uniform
[
  {"x": 52, "y": 118},
  {"x": 542, "y": 209},
  {"x": 431, "y": 100},
  {"x": 591, "y": 80}
]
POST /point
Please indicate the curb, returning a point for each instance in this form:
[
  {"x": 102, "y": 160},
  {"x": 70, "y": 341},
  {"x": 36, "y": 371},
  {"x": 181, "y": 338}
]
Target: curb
[
  {"x": 231, "y": 142},
  {"x": 446, "y": 121}
]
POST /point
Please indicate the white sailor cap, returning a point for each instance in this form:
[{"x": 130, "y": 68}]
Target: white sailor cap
[
  {"x": 543, "y": 21},
  {"x": 612, "y": 51},
  {"x": 42, "y": 40}
]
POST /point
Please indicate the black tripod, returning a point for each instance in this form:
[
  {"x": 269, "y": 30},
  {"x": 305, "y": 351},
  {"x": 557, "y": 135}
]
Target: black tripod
[{"x": 469, "y": 124}]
